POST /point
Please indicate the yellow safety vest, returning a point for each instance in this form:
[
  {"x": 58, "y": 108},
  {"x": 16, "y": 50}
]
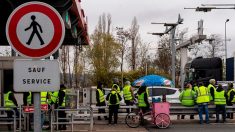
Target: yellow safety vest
[
  {"x": 127, "y": 92},
  {"x": 8, "y": 103},
  {"x": 141, "y": 102},
  {"x": 219, "y": 98},
  {"x": 229, "y": 92},
  {"x": 187, "y": 97},
  {"x": 203, "y": 95},
  {"x": 29, "y": 98},
  {"x": 209, "y": 88},
  {"x": 118, "y": 88},
  {"x": 43, "y": 97},
  {"x": 101, "y": 95},
  {"x": 63, "y": 104},
  {"x": 117, "y": 99}
]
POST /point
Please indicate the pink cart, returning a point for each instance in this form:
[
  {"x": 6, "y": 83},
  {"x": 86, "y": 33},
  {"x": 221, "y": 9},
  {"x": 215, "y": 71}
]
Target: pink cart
[{"x": 161, "y": 112}]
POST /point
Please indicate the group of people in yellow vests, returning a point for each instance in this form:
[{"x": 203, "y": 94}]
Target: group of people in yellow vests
[
  {"x": 114, "y": 97},
  {"x": 202, "y": 96},
  {"x": 52, "y": 99}
]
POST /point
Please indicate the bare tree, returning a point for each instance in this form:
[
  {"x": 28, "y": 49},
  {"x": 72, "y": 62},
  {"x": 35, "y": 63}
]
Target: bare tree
[
  {"x": 134, "y": 42},
  {"x": 163, "y": 60},
  {"x": 215, "y": 47}
]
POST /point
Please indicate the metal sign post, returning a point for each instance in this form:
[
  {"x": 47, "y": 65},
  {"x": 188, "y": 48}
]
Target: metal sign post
[{"x": 37, "y": 112}]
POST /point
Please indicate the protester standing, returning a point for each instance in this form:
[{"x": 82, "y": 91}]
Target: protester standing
[
  {"x": 143, "y": 102},
  {"x": 100, "y": 99},
  {"x": 203, "y": 99},
  {"x": 128, "y": 95},
  {"x": 113, "y": 99},
  {"x": 220, "y": 102},
  {"x": 230, "y": 98}
]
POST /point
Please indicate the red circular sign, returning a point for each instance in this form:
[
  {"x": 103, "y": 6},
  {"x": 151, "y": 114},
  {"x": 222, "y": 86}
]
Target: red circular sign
[{"x": 35, "y": 8}]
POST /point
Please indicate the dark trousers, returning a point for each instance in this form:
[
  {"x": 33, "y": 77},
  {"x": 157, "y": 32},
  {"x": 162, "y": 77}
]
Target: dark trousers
[
  {"x": 10, "y": 115},
  {"x": 62, "y": 114},
  {"x": 128, "y": 103},
  {"x": 113, "y": 110},
  {"x": 220, "y": 109},
  {"x": 101, "y": 110}
]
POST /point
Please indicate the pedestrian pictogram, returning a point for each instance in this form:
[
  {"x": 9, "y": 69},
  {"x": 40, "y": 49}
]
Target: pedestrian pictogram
[
  {"x": 34, "y": 24},
  {"x": 35, "y": 30}
]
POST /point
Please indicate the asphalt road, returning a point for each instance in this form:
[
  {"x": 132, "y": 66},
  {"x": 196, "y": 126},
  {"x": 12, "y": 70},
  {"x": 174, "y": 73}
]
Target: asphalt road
[{"x": 213, "y": 127}]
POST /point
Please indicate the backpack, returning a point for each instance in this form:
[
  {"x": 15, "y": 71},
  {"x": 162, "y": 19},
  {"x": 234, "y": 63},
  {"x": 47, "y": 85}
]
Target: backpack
[{"x": 113, "y": 99}]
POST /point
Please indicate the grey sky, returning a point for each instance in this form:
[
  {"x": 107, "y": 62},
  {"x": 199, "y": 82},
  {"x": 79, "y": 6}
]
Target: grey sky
[{"x": 148, "y": 11}]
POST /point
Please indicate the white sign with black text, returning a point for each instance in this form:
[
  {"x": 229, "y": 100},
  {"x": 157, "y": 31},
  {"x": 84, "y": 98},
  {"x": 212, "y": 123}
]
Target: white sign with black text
[{"x": 36, "y": 75}]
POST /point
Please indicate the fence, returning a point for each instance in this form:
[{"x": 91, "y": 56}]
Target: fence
[
  {"x": 72, "y": 117},
  {"x": 8, "y": 121}
]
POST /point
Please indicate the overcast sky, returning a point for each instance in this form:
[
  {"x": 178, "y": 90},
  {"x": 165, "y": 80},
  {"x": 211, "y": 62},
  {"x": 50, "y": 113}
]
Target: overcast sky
[{"x": 148, "y": 11}]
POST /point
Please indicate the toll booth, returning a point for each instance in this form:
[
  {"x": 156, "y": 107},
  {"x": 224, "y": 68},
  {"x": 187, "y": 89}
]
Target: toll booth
[{"x": 6, "y": 77}]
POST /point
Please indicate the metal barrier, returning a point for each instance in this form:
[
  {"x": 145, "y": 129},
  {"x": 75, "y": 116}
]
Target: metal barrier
[
  {"x": 7, "y": 120},
  {"x": 121, "y": 109},
  {"x": 179, "y": 109},
  {"x": 72, "y": 117}
]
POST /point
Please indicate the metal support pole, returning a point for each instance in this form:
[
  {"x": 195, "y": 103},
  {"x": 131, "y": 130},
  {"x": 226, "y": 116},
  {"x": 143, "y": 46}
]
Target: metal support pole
[
  {"x": 173, "y": 50},
  {"x": 37, "y": 112}
]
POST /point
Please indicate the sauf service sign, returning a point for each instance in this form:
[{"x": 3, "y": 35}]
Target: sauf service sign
[{"x": 36, "y": 75}]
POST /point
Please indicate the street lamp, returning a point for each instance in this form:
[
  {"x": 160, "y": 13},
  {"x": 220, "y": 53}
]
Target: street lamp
[
  {"x": 225, "y": 39},
  {"x": 225, "y": 45}
]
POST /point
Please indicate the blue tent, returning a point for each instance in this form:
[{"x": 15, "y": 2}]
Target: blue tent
[{"x": 152, "y": 80}]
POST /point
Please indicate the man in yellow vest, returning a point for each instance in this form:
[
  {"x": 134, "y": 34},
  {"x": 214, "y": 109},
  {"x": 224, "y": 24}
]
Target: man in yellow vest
[
  {"x": 10, "y": 103},
  {"x": 230, "y": 98},
  {"x": 211, "y": 88},
  {"x": 113, "y": 99},
  {"x": 61, "y": 104},
  {"x": 143, "y": 102},
  {"x": 128, "y": 94},
  {"x": 100, "y": 99},
  {"x": 220, "y": 102},
  {"x": 187, "y": 98},
  {"x": 203, "y": 99}
]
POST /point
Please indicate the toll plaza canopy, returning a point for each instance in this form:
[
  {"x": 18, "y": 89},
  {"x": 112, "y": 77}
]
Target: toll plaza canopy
[{"x": 73, "y": 16}]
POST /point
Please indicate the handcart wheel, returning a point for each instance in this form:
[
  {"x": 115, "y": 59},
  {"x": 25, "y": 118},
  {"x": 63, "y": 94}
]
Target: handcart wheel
[
  {"x": 133, "y": 120},
  {"x": 162, "y": 120}
]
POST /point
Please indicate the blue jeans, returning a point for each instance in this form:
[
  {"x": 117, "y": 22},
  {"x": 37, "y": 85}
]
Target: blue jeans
[
  {"x": 203, "y": 108},
  {"x": 220, "y": 109}
]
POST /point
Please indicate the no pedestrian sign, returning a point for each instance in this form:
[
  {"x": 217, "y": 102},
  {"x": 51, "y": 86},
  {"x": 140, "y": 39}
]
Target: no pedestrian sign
[
  {"x": 36, "y": 75},
  {"x": 35, "y": 30}
]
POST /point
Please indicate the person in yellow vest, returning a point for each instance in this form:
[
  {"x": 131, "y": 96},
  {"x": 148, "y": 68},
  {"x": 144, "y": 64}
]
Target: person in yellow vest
[
  {"x": 202, "y": 96},
  {"x": 128, "y": 95},
  {"x": 100, "y": 99},
  {"x": 9, "y": 103},
  {"x": 212, "y": 89},
  {"x": 220, "y": 102},
  {"x": 143, "y": 102},
  {"x": 116, "y": 85},
  {"x": 52, "y": 103},
  {"x": 113, "y": 99},
  {"x": 230, "y": 98},
  {"x": 61, "y": 104},
  {"x": 187, "y": 98}
]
